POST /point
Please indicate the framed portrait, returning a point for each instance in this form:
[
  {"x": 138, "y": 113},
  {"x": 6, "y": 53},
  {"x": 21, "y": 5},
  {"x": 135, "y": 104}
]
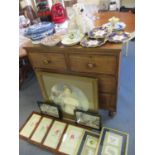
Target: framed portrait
[
  {"x": 54, "y": 135},
  {"x": 112, "y": 142},
  {"x": 30, "y": 125},
  {"x": 89, "y": 119},
  {"x": 89, "y": 143},
  {"x": 69, "y": 92},
  {"x": 71, "y": 140},
  {"x": 41, "y": 130},
  {"x": 50, "y": 109}
]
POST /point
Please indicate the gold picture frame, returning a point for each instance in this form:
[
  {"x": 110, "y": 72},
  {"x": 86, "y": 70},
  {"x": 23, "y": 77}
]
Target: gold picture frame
[
  {"x": 70, "y": 92},
  {"x": 28, "y": 128},
  {"x": 54, "y": 135},
  {"x": 89, "y": 143},
  {"x": 41, "y": 130}
]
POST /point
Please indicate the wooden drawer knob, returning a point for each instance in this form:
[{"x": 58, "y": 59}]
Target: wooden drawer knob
[
  {"x": 90, "y": 65},
  {"x": 46, "y": 61}
]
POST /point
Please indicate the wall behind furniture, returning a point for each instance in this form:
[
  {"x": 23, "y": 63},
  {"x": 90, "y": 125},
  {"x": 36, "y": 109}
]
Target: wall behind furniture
[{"x": 128, "y": 3}]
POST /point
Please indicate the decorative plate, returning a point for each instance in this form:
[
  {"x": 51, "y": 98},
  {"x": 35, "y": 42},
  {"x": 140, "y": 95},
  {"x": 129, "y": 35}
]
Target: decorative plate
[
  {"x": 50, "y": 40},
  {"x": 72, "y": 39},
  {"x": 88, "y": 42},
  {"x": 118, "y": 37},
  {"x": 98, "y": 33},
  {"x": 118, "y": 26}
]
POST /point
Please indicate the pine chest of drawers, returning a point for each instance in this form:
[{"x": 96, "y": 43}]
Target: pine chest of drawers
[{"x": 101, "y": 63}]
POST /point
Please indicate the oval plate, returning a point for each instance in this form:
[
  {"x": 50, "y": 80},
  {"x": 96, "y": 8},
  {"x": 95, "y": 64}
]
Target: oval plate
[
  {"x": 88, "y": 42},
  {"x": 98, "y": 33},
  {"x": 118, "y": 37}
]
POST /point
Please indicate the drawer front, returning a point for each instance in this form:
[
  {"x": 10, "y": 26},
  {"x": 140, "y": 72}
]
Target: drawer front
[
  {"x": 48, "y": 60},
  {"x": 107, "y": 101},
  {"x": 107, "y": 84},
  {"x": 93, "y": 64}
]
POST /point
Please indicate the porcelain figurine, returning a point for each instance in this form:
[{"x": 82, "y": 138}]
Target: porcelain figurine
[{"x": 80, "y": 20}]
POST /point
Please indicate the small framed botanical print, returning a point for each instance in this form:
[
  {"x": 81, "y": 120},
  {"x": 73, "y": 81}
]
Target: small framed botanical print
[
  {"x": 54, "y": 135},
  {"x": 30, "y": 125},
  {"x": 89, "y": 119},
  {"x": 41, "y": 130},
  {"x": 89, "y": 143},
  {"x": 71, "y": 140},
  {"x": 50, "y": 109},
  {"x": 112, "y": 142}
]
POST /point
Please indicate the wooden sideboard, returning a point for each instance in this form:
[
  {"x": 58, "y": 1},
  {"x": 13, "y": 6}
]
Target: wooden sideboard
[{"x": 101, "y": 63}]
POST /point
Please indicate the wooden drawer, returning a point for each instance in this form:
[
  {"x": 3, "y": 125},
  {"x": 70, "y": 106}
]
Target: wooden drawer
[
  {"x": 107, "y": 84},
  {"x": 107, "y": 101},
  {"x": 93, "y": 64},
  {"x": 48, "y": 60}
]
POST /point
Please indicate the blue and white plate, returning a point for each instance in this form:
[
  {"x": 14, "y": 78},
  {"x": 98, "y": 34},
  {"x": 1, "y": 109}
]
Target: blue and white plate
[{"x": 118, "y": 26}]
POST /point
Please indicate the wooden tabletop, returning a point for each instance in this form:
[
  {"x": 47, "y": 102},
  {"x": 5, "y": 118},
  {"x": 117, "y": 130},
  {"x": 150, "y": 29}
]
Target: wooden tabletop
[
  {"x": 127, "y": 17},
  {"x": 101, "y": 18}
]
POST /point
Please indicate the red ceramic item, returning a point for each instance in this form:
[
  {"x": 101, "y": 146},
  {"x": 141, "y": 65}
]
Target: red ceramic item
[{"x": 58, "y": 13}]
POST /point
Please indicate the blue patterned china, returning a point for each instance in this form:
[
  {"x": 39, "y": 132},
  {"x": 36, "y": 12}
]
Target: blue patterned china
[
  {"x": 118, "y": 37},
  {"x": 39, "y": 28},
  {"x": 118, "y": 26},
  {"x": 42, "y": 35},
  {"x": 88, "y": 42},
  {"x": 98, "y": 33}
]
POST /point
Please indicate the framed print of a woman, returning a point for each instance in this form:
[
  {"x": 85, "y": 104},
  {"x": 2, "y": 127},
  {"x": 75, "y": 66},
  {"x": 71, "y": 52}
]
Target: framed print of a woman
[
  {"x": 69, "y": 92},
  {"x": 69, "y": 98}
]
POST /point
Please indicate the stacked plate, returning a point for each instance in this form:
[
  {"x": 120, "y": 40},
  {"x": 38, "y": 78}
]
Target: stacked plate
[
  {"x": 96, "y": 37},
  {"x": 38, "y": 31}
]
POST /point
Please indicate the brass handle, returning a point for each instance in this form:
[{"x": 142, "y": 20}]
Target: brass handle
[
  {"x": 46, "y": 61},
  {"x": 90, "y": 65}
]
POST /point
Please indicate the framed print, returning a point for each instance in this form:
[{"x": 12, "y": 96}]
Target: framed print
[
  {"x": 70, "y": 92},
  {"x": 30, "y": 125},
  {"x": 71, "y": 140},
  {"x": 50, "y": 109},
  {"x": 89, "y": 119},
  {"x": 41, "y": 130},
  {"x": 54, "y": 135},
  {"x": 112, "y": 142},
  {"x": 89, "y": 144}
]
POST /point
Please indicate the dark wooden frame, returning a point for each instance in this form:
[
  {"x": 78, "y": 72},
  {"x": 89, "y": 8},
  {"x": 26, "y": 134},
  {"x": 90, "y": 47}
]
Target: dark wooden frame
[
  {"x": 52, "y": 104},
  {"x": 56, "y": 151},
  {"x": 92, "y": 113},
  {"x": 102, "y": 138}
]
